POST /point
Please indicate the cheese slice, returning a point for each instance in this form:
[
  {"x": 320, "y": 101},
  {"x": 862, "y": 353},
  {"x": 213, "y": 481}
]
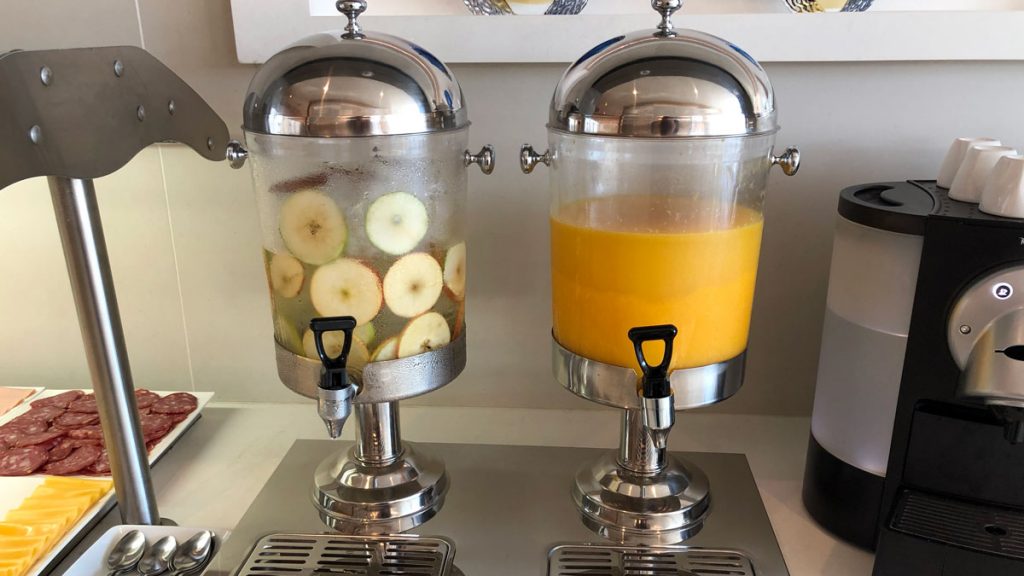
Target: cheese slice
[
  {"x": 15, "y": 553},
  {"x": 48, "y": 521},
  {"x": 40, "y": 520},
  {"x": 13, "y": 567},
  {"x": 62, "y": 502},
  {"x": 9, "y": 529},
  {"x": 51, "y": 493},
  {"x": 34, "y": 544}
]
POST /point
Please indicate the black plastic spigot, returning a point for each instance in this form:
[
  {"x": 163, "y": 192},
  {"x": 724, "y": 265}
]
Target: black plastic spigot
[
  {"x": 333, "y": 375},
  {"x": 336, "y": 393},
  {"x": 655, "y": 380},
  {"x": 658, "y": 404}
]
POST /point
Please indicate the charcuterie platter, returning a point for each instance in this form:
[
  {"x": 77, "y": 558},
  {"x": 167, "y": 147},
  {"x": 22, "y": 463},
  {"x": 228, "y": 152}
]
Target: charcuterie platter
[{"x": 58, "y": 434}]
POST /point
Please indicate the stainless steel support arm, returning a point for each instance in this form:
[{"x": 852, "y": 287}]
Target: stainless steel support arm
[
  {"x": 85, "y": 251},
  {"x": 74, "y": 115}
]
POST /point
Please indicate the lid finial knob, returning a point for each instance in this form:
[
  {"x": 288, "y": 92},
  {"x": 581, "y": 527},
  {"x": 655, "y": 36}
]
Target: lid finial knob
[
  {"x": 352, "y": 9},
  {"x": 666, "y": 8}
]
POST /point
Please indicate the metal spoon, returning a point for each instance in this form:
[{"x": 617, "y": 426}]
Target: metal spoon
[
  {"x": 194, "y": 553},
  {"x": 157, "y": 558},
  {"x": 126, "y": 552}
]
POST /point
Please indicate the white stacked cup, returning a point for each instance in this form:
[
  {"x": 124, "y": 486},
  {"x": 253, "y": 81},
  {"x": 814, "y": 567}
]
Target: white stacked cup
[
  {"x": 974, "y": 171},
  {"x": 1004, "y": 192},
  {"x": 955, "y": 157}
]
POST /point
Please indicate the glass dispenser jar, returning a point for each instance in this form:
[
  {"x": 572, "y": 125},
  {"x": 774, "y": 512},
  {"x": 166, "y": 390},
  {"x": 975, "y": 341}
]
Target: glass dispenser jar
[
  {"x": 358, "y": 150},
  {"x": 660, "y": 145}
]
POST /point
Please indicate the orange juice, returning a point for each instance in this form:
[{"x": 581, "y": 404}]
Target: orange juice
[{"x": 637, "y": 260}]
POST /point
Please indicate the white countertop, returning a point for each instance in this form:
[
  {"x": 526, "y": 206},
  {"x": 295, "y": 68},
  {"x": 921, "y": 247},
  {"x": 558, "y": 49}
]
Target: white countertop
[{"x": 222, "y": 463}]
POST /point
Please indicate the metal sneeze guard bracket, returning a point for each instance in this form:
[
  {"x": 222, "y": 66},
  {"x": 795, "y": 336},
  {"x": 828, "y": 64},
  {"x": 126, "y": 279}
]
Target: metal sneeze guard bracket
[
  {"x": 75, "y": 115},
  {"x": 85, "y": 112}
]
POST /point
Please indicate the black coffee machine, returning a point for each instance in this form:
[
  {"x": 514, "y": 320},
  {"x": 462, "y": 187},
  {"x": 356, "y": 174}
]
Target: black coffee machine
[{"x": 951, "y": 499}]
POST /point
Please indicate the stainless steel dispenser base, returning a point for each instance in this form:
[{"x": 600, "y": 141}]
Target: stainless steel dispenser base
[
  {"x": 623, "y": 506},
  {"x": 508, "y": 506},
  {"x": 643, "y": 494},
  {"x": 381, "y": 485},
  {"x": 353, "y": 497}
]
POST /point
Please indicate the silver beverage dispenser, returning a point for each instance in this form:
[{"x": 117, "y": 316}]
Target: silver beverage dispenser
[
  {"x": 357, "y": 142},
  {"x": 660, "y": 147}
]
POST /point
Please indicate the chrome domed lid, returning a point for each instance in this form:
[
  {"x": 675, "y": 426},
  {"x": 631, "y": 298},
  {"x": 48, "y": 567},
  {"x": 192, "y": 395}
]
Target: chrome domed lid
[
  {"x": 665, "y": 83},
  {"x": 353, "y": 84}
]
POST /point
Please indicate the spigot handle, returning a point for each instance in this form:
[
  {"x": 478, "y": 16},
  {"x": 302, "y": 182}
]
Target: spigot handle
[
  {"x": 655, "y": 378},
  {"x": 333, "y": 376}
]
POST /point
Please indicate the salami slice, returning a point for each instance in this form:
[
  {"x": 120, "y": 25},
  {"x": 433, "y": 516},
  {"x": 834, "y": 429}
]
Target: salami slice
[
  {"x": 43, "y": 439},
  {"x": 177, "y": 403},
  {"x": 61, "y": 451},
  {"x": 61, "y": 400},
  {"x": 101, "y": 465},
  {"x": 145, "y": 398},
  {"x": 155, "y": 426},
  {"x": 79, "y": 442},
  {"x": 10, "y": 432},
  {"x": 77, "y": 461},
  {"x": 44, "y": 414},
  {"x": 176, "y": 418},
  {"x": 85, "y": 404},
  {"x": 86, "y": 432},
  {"x": 22, "y": 461},
  {"x": 76, "y": 419}
]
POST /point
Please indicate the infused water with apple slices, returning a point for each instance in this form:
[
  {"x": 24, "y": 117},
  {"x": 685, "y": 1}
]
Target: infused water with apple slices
[{"x": 379, "y": 237}]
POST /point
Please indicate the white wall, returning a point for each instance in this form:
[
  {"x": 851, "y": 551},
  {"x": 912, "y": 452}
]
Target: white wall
[{"x": 184, "y": 240}]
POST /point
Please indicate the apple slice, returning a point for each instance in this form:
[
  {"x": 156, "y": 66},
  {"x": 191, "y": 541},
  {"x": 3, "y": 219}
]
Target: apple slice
[
  {"x": 358, "y": 353},
  {"x": 423, "y": 334},
  {"x": 346, "y": 287},
  {"x": 455, "y": 271},
  {"x": 413, "y": 284},
  {"x": 460, "y": 320},
  {"x": 286, "y": 275},
  {"x": 287, "y": 335},
  {"x": 365, "y": 332},
  {"x": 396, "y": 222},
  {"x": 312, "y": 227},
  {"x": 388, "y": 350}
]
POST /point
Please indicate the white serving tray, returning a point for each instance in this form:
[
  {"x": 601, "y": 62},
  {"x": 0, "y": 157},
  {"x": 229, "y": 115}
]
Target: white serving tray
[
  {"x": 14, "y": 489},
  {"x": 93, "y": 561}
]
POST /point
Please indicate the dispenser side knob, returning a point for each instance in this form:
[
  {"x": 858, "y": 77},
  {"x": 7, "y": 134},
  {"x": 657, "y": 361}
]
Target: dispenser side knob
[
  {"x": 484, "y": 159},
  {"x": 528, "y": 158},
  {"x": 789, "y": 161}
]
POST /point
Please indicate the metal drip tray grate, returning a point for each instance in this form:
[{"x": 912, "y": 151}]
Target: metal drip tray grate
[
  {"x": 965, "y": 524},
  {"x": 595, "y": 560},
  {"x": 326, "y": 554}
]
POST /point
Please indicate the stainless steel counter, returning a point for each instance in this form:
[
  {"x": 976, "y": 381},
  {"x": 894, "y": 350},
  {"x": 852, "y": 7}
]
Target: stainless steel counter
[
  {"x": 508, "y": 505},
  {"x": 217, "y": 470}
]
